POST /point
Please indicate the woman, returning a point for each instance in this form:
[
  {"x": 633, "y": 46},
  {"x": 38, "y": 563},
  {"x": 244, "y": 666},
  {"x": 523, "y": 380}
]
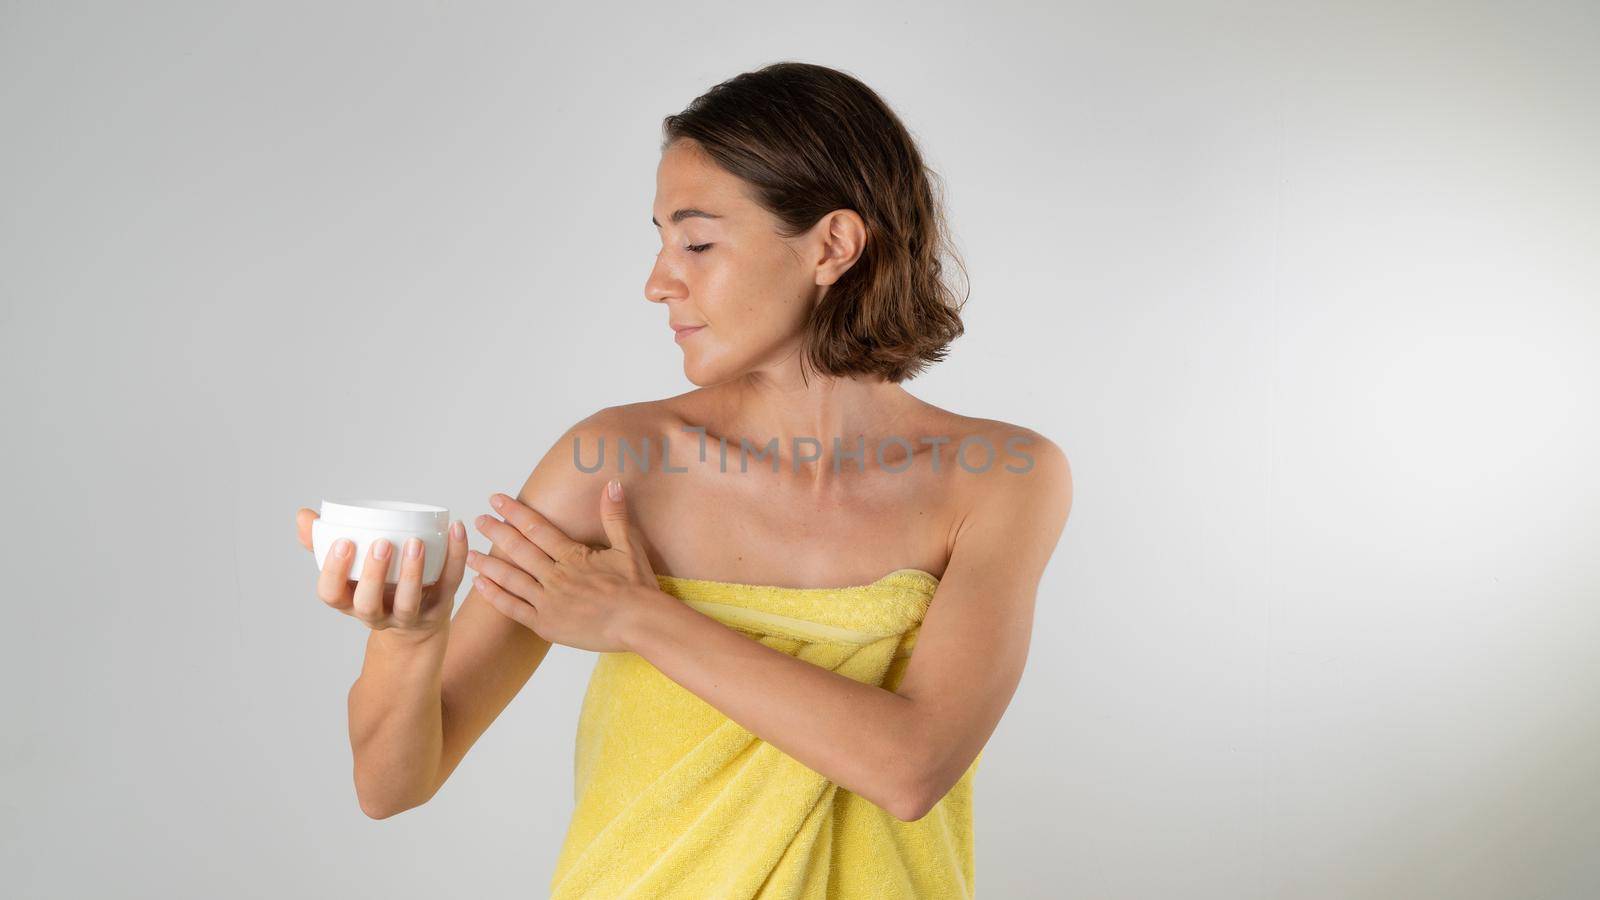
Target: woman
[{"x": 750, "y": 729}]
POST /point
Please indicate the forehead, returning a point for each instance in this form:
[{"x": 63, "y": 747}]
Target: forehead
[{"x": 687, "y": 177}]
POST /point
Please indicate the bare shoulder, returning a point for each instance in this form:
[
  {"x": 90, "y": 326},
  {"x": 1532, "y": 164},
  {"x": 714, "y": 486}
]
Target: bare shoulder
[
  {"x": 1009, "y": 448},
  {"x": 654, "y": 419},
  {"x": 1013, "y": 512},
  {"x": 566, "y": 483},
  {"x": 1027, "y": 472},
  {"x": 1043, "y": 459}
]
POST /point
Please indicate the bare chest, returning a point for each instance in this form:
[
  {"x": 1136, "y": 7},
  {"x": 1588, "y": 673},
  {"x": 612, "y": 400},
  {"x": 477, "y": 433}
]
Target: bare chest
[{"x": 763, "y": 527}]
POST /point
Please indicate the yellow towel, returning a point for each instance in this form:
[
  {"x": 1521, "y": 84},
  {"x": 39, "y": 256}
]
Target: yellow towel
[{"x": 675, "y": 800}]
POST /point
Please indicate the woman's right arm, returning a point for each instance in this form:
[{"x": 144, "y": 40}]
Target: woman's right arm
[
  {"x": 424, "y": 697},
  {"x": 419, "y": 705}
]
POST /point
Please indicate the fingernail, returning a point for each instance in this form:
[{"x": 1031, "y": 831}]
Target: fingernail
[
  {"x": 413, "y": 547},
  {"x": 457, "y": 529},
  {"x": 498, "y": 501},
  {"x": 615, "y": 487},
  {"x": 341, "y": 547},
  {"x": 380, "y": 549}
]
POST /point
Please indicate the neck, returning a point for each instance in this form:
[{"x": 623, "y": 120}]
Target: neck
[{"x": 763, "y": 405}]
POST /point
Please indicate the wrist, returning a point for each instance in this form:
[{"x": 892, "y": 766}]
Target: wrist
[
  {"x": 395, "y": 649},
  {"x": 639, "y": 616},
  {"x": 403, "y": 639},
  {"x": 407, "y": 660}
]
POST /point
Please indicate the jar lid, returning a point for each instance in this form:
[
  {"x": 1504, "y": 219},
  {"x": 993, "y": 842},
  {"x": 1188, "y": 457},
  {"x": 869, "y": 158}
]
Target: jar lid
[{"x": 390, "y": 515}]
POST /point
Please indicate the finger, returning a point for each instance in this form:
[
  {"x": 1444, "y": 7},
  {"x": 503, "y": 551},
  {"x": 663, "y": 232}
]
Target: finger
[
  {"x": 333, "y": 585},
  {"x": 369, "y": 590},
  {"x": 408, "y": 593},
  {"x": 509, "y": 605},
  {"x": 455, "y": 560},
  {"x": 614, "y": 516},
  {"x": 508, "y": 576},
  {"x": 515, "y": 546},
  {"x": 302, "y": 524},
  {"x": 532, "y": 523}
]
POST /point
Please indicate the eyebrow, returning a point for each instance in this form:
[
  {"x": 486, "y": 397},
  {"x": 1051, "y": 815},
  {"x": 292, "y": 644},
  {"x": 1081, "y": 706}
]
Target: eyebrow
[{"x": 682, "y": 214}]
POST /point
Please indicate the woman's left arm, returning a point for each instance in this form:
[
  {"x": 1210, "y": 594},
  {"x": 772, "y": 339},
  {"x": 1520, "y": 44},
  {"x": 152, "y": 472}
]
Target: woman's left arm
[{"x": 902, "y": 750}]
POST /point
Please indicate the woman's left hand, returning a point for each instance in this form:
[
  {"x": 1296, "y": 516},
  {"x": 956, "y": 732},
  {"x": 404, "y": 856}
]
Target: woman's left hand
[{"x": 564, "y": 591}]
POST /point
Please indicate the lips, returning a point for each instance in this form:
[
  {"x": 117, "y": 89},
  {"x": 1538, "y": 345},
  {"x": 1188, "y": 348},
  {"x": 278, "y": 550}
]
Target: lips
[{"x": 682, "y": 331}]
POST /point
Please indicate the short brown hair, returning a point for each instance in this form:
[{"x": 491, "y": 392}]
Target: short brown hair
[{"x": 809, "y": 140}]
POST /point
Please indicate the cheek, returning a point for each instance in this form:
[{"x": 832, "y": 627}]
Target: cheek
[
  {"x": 759, "y": 323},
  {"x": 752, "y": 305}
]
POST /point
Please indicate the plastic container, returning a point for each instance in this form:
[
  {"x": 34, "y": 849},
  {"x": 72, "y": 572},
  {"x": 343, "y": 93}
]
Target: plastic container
[{"x": 365, "y": 521}]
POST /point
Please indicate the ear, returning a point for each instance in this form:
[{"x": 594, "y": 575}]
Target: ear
[{"x": 844, "y": 238}]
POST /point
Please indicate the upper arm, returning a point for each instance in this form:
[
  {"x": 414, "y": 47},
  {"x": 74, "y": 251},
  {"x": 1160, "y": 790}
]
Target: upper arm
[
  {"x": 974, "y": 639},
  {"x": 489, "y": 657}
]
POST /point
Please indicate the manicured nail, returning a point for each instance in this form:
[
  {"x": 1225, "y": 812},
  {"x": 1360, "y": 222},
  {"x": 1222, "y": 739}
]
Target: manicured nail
[
  {"x": 380, "y": 549},
  {"x": 497, "y": 501},
  {"x": 413, "y": 547},
  {"x": 615, "y": 488},
  {"x": 341, "y": 547},
  {"x": 458, "y": 530}
]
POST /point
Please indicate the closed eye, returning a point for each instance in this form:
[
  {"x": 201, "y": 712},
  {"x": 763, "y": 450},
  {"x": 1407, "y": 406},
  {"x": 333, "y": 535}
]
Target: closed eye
[{"x": 697, "y": 248}]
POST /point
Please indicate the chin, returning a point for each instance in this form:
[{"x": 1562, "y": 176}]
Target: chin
[
  {"x": 706, "y": 378},
  {"x": 704, "y": 373},
  {"x": 697, "y": 378}
]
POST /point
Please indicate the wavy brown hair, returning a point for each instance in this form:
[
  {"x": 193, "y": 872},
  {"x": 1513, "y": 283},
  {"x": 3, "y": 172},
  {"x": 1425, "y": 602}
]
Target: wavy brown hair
[{"x": 809, "y": 140}]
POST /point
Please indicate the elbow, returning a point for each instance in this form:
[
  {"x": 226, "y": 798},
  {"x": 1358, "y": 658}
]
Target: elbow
[
  {"x": 919, "y": 782},
  {"x": 380, "y": 798},
  {"x": 375, "y": 809},
  {"x": 381, "y": 811},
  {"x": 910, "y": 807},
  {"x": 916, "y": 795},
  {"x": 376, "y": 806}
]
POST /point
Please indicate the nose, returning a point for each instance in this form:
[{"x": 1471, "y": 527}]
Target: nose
[{"x": 661, "y": 286}]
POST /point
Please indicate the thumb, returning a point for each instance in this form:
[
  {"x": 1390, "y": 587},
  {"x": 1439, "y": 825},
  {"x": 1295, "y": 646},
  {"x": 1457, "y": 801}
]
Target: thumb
[{"x": 614, "y": 515}]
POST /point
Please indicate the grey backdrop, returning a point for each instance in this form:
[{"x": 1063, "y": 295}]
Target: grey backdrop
[{"x": 1307, "y": 294}]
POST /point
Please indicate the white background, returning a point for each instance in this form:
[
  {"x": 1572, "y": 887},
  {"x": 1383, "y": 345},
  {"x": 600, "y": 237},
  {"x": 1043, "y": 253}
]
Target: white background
[{"x": 1307, "y": 294}]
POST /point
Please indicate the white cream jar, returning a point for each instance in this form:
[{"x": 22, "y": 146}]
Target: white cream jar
[{"x": 365, "y": 521}]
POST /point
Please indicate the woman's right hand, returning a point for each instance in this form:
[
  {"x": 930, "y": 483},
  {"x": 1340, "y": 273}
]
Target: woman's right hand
[{"x": 408, "y": 609}]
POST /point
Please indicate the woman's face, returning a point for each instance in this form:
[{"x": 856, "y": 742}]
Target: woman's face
[{"x": 723, "y": 268}]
